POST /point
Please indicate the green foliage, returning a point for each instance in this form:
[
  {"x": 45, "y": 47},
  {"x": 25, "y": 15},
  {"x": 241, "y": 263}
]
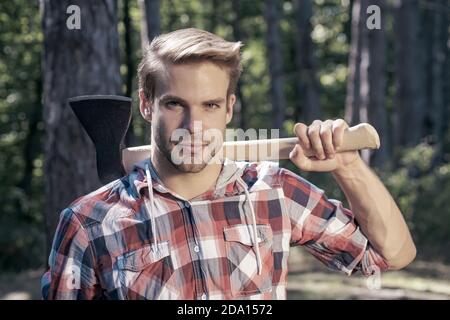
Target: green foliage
[
  {"x": 421, "y": 189},
  {"x": 21, "y": 204}
]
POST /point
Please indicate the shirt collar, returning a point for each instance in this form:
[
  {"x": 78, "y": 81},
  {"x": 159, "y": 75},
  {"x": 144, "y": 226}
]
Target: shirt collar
[{"x": 226, "y": 182}]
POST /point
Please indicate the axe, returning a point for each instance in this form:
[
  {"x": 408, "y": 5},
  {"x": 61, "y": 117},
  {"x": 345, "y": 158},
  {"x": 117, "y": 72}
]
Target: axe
[{"x": 106, "y": 119}]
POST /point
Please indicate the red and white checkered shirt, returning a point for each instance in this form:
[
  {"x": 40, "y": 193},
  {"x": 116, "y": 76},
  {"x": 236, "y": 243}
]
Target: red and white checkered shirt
[{"x": 109, "y": 245}]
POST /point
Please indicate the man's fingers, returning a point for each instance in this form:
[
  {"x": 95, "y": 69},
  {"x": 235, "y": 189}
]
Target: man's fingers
[
  {"x": 323, "y": 138},
  {"x": 297, "y": 156},
  {"x": 315, "y": 140},
  {"x": 326, "y": 135},
  {"x": 301, "y": 131},
  {"x": 339, "y": 127}
]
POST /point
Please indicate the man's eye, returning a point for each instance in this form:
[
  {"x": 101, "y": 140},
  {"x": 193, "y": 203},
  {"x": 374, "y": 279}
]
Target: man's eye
[
  {"x": 212, "y": 106},
  {"x": 172, "y": 104}
]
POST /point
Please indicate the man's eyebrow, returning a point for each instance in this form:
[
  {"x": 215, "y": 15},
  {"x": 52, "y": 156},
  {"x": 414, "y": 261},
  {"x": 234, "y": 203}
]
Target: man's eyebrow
[
  {"x": 172, "y": 97},
  {"x": 214, "y": 101}
]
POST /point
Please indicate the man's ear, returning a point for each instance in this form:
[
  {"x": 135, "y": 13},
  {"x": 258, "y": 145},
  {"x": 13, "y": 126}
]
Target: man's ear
[
  {"x": 145, "y": 106},
  {"x": 230, "y": 106}
]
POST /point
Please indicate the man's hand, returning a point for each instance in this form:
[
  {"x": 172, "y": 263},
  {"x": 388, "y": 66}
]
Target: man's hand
[
  {"x": 374, "y": 208},
  {"x": 322, "y": 138}
]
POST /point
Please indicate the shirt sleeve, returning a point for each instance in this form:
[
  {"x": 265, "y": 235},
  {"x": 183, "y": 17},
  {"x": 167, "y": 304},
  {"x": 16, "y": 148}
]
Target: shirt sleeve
[
  {"x": 71, "y": 273},
  {"x": 326, "y": 229}
]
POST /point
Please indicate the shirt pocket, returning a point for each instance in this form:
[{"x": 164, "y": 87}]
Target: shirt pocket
[
  {"x": 144, "y": 273},
  {"x": 242, "y": 262}
]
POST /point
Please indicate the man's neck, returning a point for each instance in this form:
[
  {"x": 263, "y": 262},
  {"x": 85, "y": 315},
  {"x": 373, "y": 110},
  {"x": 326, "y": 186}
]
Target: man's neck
[{"x": 186, "y": 184}]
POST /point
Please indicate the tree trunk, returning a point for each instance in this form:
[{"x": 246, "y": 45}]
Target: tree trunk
[
  {"x": 353, "y": 98},
  {"x": 373, "y": 84},
  {"x": 32, "y": 141},
  {"x": 307, "y": 85},
  {"x": 151, "y": 21},
  {"x": 150, "y": 28},
  {"x": 130, "y": 137},
  {"x": 347, "y": 29},
  {"x": 239, "y": 107},
  {"x": 409, "y": 97},
  {"x": 75, "y": 62},
  {"x": 446, "y": 87},
  {"x": 436, "y": 24},
  {"x": 366, "y": 87},
  {"x": 274, "y": 51}
]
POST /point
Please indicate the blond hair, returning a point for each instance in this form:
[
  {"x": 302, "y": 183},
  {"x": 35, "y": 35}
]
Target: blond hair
[{"x": 184, "y": 46}]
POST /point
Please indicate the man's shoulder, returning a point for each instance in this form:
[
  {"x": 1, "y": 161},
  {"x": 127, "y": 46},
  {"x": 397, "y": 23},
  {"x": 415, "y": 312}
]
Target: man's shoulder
[
  {"x": 266, "y": 173},
  {"x": 274, "y": 175},
  {"x": 112, "y": 198}
]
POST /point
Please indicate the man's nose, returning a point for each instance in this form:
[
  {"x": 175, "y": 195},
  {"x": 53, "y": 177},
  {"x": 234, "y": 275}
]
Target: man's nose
[{"x": 193, "y": 121}]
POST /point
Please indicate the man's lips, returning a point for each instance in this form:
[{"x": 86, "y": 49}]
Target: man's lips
[
  {"x": 193, "y": 145},
  {"x": 193, "y": 148}
]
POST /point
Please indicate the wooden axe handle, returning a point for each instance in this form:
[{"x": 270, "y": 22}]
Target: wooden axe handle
[{"x": 361, "y": 136}]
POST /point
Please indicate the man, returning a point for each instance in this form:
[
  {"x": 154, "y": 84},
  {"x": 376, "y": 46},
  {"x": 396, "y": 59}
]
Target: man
[{"x": 208, "y": 230}]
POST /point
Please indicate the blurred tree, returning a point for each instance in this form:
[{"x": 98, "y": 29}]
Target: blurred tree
[
  {"x": 213, "y": 16},
  {"x": 274, "y": 52},
  {"x": 150, "y": 28},
  {"x": 308, "y": 88},
  {"x": 21, "y": 129},
  {"x": 172, "y": 15},
  {"x": 151, "y": 21},
  {"x": 76, "y": 62},
  {"x": 446, "y": 86},
  {"x": 409, "y": 98},
  {"x": 130, "y": 137},
  {"x": 373, "y": 80},
  {"x": 353, "y": 99},
  {"x": 239, "y": 108},
  {"x": 366, "y": 96},
  {"x": 435, "y": 35}
]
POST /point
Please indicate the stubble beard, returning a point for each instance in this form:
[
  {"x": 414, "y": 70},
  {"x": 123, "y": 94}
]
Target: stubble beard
[{"x": 195, "y": 164}]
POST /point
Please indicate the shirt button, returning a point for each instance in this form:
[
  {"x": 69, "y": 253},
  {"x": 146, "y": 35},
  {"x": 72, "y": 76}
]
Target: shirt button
[
  {"x": 196, "y": 249},
  {"x": 203, "y": 296}
]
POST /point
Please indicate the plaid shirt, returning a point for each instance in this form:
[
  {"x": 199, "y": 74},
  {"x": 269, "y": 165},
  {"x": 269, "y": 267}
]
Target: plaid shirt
[{"x": 104, "y": 245}]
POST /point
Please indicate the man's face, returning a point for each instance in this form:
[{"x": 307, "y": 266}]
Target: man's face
[{"x": 190, "y": 113}]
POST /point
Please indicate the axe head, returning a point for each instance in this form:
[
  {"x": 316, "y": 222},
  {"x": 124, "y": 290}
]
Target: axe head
[{"x": 106, "y": 119}]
